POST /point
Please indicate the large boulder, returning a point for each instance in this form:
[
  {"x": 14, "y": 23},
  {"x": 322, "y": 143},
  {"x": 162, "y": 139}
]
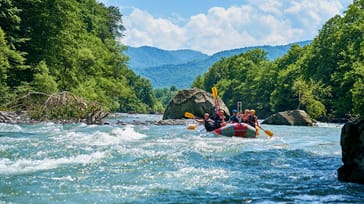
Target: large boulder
[
  {"x": 352, "y": 148},
  {"x": 292, "y": 117},
  {"x": 195, "y": 101}
]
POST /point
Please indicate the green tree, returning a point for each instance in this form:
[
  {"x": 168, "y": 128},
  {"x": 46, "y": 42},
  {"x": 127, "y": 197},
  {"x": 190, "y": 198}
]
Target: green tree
[
  {"x": 77, "y": 41},
  {"x": 309, "y": 95},
  {"x": 238, "y": 78},
  {"x": 43, "y": 82},
  {"x": 11, "y": 64},
  {"x": 285, "y": 74},
  {"x": 165, "y": 95},
  {"x": 9, "y": 22},
  {"x": 334, "y": 58}
]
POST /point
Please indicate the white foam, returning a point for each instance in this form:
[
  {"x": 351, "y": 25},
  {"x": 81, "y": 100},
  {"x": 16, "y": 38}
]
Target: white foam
[
  {"x": 4, "y": 148},
  {"x": 5, "y": 127},
  {"x": 329, "y": 125},
  {"x": 99, "y": 138},
  {"x": 201, "y": 177},
  {"x": 23, "y": 166},
  {"x": 127, "y": 133}
]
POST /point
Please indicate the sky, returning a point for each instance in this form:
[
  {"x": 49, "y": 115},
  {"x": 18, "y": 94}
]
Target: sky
[{"x": 211, "y": 26}]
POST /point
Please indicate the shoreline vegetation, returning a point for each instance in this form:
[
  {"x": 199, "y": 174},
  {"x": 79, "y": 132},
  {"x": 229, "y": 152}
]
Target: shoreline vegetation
[{"x": 63, "y": 107}]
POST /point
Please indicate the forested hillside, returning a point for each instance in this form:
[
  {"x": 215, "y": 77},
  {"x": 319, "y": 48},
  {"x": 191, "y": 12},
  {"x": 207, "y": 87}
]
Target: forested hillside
[
  {"x": 325, "y": 78},
  {"x": 145, "y": 57},
  {"x": 184, "y": 65},
  {"x": 51, "y": 46}
]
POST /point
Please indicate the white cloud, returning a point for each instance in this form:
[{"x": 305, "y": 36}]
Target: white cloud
[
  {"x": 259, "y": 22},
  {"x": 144, "y": 29}
]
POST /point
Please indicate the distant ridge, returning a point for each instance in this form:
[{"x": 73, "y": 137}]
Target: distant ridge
[
  {"x": 146, "y": 56},
  {"x": 181, "y": 67}
]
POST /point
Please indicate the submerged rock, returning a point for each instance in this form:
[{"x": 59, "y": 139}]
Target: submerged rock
[
  {"x": 352, "y": 146},
  {"x": 292, "y": 117},
  {"x": 195, "y": 101}
]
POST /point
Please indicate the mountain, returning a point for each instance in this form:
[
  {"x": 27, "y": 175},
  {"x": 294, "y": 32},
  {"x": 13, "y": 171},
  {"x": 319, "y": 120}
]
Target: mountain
[
  {"x": 181, "y": 67},
  {"x": 146, "y": 56}
]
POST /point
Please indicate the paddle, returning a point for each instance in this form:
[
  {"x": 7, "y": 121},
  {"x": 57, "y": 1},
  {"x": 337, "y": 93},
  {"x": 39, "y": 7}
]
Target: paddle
[
  {"x": 268, "y": 132},
  {"x": 192, "y": 126},
  {"x": 191, "y": 116},
  {"x": 257, "y": 130},
  {"x": 214, "y": 94}
]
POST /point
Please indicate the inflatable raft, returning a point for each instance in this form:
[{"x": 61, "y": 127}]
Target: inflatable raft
[{"x": 236, "y": 130}]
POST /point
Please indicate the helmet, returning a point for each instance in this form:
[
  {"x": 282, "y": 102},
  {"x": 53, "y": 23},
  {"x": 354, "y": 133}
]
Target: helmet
[
  {"x": 252, "y": 111},
  {"x": 235, "y": 111}
]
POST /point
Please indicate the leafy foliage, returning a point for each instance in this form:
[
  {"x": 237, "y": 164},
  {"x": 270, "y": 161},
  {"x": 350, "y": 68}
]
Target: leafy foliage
[
  {"x": 241, "y": 78},
  {"x": 54, "y": 46},
  {"x": 165, "y": 95}
]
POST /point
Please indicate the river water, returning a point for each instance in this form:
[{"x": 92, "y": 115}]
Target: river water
[{"x": 55, "y": 163}]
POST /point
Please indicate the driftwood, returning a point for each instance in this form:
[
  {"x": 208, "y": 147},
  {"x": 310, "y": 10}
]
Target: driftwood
[
  {"x": 27, "y": 101},
  {"x": 96, "y": 116},
  {"x": 62, "y": 107},
  {"x": 6, "y": 117}
]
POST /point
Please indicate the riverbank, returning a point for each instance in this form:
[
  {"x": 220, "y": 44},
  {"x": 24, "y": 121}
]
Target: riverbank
[{"x": 12, "y": 117}]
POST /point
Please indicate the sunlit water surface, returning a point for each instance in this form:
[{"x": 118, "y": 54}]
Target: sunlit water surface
[{"x": 55, "y": 163}]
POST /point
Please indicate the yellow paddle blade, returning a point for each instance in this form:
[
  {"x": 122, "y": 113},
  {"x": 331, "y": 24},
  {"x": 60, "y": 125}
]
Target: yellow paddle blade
[
  {"x": 192, "y": 126},
  {"x": 269, "y": 133},
  {"x": 257, "y": 130},
  {"x": 189, "y": 115},
  {"x": 214, "y": 92}
]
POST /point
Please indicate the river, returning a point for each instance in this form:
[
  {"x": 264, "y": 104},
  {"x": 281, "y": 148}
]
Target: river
[{"x": 76, "y": 163}]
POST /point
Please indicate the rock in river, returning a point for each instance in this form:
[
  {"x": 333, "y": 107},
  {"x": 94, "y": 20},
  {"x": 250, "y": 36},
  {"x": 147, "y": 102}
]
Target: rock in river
[
  {"x": 195, "y": 101},
  {"x": 292, "y": 117},
  {"x": 352, "y": 146}
]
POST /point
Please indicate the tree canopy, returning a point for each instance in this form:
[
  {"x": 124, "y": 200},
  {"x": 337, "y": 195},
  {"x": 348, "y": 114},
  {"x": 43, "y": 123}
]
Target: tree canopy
[{"x": 56, "y": 45}]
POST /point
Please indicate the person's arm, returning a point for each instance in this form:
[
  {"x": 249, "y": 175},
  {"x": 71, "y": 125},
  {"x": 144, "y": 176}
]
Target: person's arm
[
  {"x": 202, "y": 121},
  {"x": 230, "y": 119},
  {"x": 257, "y": 122}
]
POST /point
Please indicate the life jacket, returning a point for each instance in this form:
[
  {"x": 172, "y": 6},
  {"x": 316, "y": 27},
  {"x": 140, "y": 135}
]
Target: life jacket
[
  {"x": 209, "y": 125},
  {"x": 244, "y": 118},
  {"x": 251, "y": 120},
  {"x": 234, "y": 119},
  {"x": 218, "y": 121}
]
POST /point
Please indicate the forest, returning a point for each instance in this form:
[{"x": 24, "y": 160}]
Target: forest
[
  {"x": 324, "y": 78},
  {"x": 53, "y": 46}
]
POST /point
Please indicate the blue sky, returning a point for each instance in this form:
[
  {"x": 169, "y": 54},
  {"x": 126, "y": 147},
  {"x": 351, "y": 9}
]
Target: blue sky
[{"x": 211, "y": 26}]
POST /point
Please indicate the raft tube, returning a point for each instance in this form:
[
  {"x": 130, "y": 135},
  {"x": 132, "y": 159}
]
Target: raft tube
[{"x": 236, "y": 130}]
